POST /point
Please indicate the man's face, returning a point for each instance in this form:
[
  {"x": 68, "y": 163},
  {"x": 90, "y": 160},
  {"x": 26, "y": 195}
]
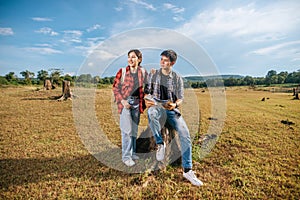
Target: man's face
[{"x": 165, "y": 63}]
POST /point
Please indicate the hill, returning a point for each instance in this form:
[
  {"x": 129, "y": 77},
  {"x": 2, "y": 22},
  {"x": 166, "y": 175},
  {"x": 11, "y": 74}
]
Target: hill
[{"x": 204, "y": 78}]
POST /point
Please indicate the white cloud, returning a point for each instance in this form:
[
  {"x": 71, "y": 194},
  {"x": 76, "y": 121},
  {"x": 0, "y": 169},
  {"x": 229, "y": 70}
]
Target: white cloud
[
  {"x": 118, "y": 9},
  {"x": 94, "y": 27},
  {"x": 274, "y": 20},
  {"x": 44, "y": 45},
  {"x": 47, "y": 31},
  {"x": 6, "y": 31},
  {"x": 178, "y": 18},
  {"x": 41, "y": 19},
  {"x": 43, "y": 50},
  {"x": 152, "y": 40},
  {"x": 289, "y": 50},
  {"x": 74, "y": 33},
  {"x": 144, "y": 4},
  {"x": 173, "y": 8},
  {"x": 72, "y": 36},
  {"x": 89, "y": 45}
]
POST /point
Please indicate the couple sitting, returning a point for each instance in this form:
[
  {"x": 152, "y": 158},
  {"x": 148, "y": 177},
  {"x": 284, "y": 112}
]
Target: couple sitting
[{"x": 134, "y": 89}]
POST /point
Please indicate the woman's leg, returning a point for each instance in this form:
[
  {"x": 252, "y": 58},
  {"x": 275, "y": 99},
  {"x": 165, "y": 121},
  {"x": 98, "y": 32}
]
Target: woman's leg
[{"x": 126, "y": 129}]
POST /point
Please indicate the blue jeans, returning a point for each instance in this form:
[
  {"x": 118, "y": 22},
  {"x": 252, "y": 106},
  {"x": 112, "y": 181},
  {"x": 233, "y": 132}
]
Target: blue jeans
[
  {"x": 157, "y": 117},
  {"x": 129, "y": 121}
]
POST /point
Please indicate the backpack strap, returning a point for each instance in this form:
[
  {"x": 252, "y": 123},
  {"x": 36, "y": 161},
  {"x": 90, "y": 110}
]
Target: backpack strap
[
  {"x": 143, "y": 71},
  {"x": 124, "y": 73}
]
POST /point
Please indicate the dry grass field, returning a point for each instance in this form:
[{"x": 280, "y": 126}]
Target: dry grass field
[{"x": 42, "y": 156}]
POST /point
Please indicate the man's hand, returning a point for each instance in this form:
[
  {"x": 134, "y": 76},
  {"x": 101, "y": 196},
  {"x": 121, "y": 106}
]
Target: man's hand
[{"x": 170, "y": 105}]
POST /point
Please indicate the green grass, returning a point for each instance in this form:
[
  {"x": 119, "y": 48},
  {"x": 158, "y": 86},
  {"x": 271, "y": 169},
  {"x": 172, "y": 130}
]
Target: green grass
[{"x": 42, "y": 156}]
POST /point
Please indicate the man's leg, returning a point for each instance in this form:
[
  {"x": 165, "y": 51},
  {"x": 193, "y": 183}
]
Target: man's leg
[
  {"x": 156, "y": 117},
  {"x": 180, "y": 126}
]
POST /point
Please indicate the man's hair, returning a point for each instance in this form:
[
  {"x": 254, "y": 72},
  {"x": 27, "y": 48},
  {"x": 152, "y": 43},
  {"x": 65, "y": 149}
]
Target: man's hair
[
  {"x": 138, "y": 53},
  {"x": 170, "y": 54}
]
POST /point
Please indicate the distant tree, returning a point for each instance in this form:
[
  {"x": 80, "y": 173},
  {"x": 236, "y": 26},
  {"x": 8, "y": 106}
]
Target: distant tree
[
  {"x": 248, "y": 80},
  {"x": 3, "y": 81},
  {"x": 11, "y": 77},
  {"x": 271, "y": 73},
  {"x": 74, "y": 78},
  {"x": 282, "y": 76},
  {"x": 230, "y": 81},
  {"x": 55, "y": 76},
  {"x": 259, "y": 81},
  {"x": 106, "y": 80},
  {"x": 67, "y": 77},
  {"x": 215, "y": 82},
  {"x": 187, "y": 84},
  {"x": 195, "y": 84},
  {"x": 87, "y": 78},
  {"x": 271, "y": 77},
  {"x": 96, "y": 79},
  {"x": 27, "y": 76},
  {"x": 42, "y": 75},
  {"x": 293, "y": 77},
  {"x": 112, "y": 79}
]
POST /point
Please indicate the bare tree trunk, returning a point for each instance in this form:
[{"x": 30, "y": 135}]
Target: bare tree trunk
[
  {"x": 66, "y": 91},
  {"x": 47, "y": 84},
  {"x": 296, "y": 92},
  {"x": 173, "y": 150},
  {"x": 146, "y": 143}
]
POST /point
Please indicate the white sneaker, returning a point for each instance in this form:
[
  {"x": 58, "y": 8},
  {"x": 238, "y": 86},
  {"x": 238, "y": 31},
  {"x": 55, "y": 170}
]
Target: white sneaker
[
  {"x": 135, "y": 157},
  {"x": 129, "y": 162},
  {"x": 160, "y": 153},
  {"x": 190, "y": 175}
]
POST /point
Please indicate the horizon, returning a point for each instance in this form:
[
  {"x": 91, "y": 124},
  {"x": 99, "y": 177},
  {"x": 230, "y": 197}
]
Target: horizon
[
  {"x": 240, "y": 37},
  {"x": 185, "y": 76}
]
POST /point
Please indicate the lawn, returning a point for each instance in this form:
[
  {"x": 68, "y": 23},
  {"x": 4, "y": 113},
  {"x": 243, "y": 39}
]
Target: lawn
[{"x": 42, "y": 156}]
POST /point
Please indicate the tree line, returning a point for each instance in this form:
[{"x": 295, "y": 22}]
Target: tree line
[
  {"x": 28, "y": 78},
  {"x": 54, "y": 75},
  {"x": 272, "y": 77}
]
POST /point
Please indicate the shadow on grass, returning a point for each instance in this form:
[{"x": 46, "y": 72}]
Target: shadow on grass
[
  {"x": 42, "y": 98},
  {"x": 25, "y": 171}
]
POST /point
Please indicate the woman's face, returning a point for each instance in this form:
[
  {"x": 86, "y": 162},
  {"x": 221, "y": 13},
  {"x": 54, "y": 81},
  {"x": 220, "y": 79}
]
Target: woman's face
[{"x": 133, "y": 60}]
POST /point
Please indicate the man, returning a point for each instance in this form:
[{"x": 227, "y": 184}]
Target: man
[{"x": 165, "y": 84}]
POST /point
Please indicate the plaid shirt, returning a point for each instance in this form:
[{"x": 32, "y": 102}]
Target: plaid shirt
[
  {"x": 174, "y": 85},
  {"x": 123, "y": 91}
]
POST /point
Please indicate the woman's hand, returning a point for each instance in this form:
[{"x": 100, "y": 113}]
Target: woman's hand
[
  {"x": 125, "y": 104},
  {"x": 149, "y": 103}
]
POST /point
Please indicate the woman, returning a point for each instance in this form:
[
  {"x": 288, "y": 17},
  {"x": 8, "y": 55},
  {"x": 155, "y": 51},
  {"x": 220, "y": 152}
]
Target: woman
[{"x": 129, "y": 95}]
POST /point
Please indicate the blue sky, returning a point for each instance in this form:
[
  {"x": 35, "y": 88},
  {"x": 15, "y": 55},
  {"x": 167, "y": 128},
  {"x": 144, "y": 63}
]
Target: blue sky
[{"x": 240, "y": 37}]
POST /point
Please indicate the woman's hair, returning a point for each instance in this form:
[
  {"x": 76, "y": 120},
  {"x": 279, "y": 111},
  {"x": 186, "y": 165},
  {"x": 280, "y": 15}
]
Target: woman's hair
[
  {"x": 170, "y": 54},
  {"x": 138, "y": 53}
]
